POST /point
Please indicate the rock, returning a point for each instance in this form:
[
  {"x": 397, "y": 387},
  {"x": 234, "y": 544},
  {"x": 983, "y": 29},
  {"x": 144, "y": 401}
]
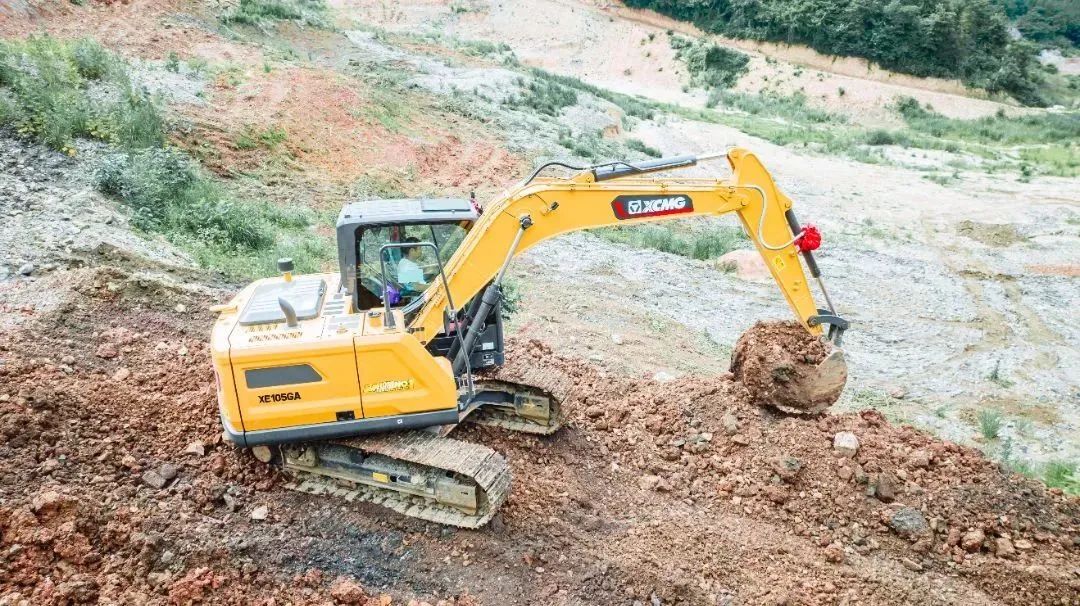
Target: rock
[
  {"x": 648, "y": 482},
  {"x": 347, "y": 591},
  {"x": 154, "y": 479},
  {"x": 168, "y": 471},
  {"x": 972, "y": 541},
  {"x": 1003, "y": 547},
  {"x": 196, "y": 448},
  {"x": 745, "y": 264},
  {"x": 663, "y": 376},
  {"x": 616, "y": 338},
  {"x": 26, "y": 269},
  {"x": 68, "y": 359},
  {"x": 834, "y": 553},
  {"x": 730, "y": 423},
  {"x": 787, "y": 467},
  {"x": 594, "y": 411},
  {"x": 740, "y": 439},
  {"x": 885, "y": 489},
  {"x": 1024, "y": 544},
  {"x": 844, "y": 470},
  {"x": 776, "y": 494},
  {"x": 47, "y": 503},
  {"x": 908, "y": 522},
  {"x": 920, "y": 459},
  {"x": 180, "y": 308},
  {"x": 107, "y": 351},
  {"x": 953, "y": 538},
  {"x": 846, "y": 444},
  {"x": 121, "y": 374},
  {"x": 260, "y": 513},
  {"x": 911, "y": 565}
]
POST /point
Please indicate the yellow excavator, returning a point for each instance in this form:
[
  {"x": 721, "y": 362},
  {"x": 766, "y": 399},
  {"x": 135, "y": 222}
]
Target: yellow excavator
[{"x": 351, "y": 381}]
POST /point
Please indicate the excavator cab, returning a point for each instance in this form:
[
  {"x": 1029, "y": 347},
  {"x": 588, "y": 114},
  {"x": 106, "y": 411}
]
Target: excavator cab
[{"x": 374, "y": 238}]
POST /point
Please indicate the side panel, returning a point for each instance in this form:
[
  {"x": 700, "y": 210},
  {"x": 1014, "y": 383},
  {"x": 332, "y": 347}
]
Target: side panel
[
  {"x": 290, "y": 404},
  {"x": 399, "y": 376}
]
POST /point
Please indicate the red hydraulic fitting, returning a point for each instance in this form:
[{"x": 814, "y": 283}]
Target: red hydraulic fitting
[{"x": 810, "y": 239}]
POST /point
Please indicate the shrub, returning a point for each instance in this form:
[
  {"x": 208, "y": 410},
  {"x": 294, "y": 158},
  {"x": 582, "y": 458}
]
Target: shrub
[
  {"x": 544, "y": 95},
  {"x": 641, "y": 147},
  {"x": 263, "y": 12},
  {"x": 710, "y": 65},
  {"x": 51, "y": 99},
  {"x": 633, "y": 106}
]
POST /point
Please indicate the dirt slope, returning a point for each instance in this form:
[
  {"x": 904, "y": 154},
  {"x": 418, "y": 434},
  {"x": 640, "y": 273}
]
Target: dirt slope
[{"x": 115, "y": 488}]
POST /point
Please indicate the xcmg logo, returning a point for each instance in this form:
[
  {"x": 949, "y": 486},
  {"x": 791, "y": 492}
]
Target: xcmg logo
[{"x": 633, "y": 207}]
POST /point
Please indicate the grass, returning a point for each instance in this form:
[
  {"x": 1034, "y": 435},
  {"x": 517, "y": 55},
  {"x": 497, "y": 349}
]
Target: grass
[
  {"x": 58, "y": 91},
  {"x": 1063, "y": 475},
  {"x": 1055, "y": 474},
  {"x": 261, "y": 13},
  {"x": 543, "y": 95},
  {"x": 641, "y": 147},
  {"x": 990, "y": 423},
  {"x": 637, "y": 107},
  {"x": 251, "y": 137},
  {"x": 679, "y": 238},
  {"x": 999, "y": 379}
]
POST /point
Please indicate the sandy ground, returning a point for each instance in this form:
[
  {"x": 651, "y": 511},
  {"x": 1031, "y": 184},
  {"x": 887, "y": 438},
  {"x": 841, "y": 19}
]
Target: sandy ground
[
  {"x": 628, "y": 51},
  {"x": 950, "y": 318}
]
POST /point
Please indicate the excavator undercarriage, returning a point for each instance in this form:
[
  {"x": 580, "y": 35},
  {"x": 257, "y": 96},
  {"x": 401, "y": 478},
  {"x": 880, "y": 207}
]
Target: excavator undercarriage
[
  {"x": 424, "y": 473},
  {"x": 351, "y": 382}
]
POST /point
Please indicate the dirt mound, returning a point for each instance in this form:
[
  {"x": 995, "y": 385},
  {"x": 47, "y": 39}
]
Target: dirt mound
[
  {"x": 778, "y": 363},
  {"x": 115, "y": 487}
]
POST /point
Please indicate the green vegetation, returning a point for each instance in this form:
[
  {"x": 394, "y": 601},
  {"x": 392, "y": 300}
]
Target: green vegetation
[
  {"x": 965, "y": 39},
  {"x": 263, "y": 12},
  {"x": 545, "y": 95},
  {"x": 49, "y": 90},
  {"x": 1063, "y": 475},
  {"x": 633, "y": 106},
  {"x": 641, "y": 147},
  {"x": 1050, "y": 21},
  {"x": 1044, "y": 127},
  {"x": 710, "y": 66},
  {"x": 990, "y": 423},
  {"x": 251, "y": 137},
  {"x": 997, "y": 378},
  {"x": 679, "y": 238},
  {"x": 57, "y": 92}
]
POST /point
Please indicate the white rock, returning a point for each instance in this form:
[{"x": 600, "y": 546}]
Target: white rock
[
  {"x": 846, "y": 444},
  {"x": 260, "y": 512},
  {"x": 746, "y": 264}
]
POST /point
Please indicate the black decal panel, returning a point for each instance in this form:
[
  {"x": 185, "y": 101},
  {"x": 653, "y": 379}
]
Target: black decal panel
[{"x": 635, "y": 207}]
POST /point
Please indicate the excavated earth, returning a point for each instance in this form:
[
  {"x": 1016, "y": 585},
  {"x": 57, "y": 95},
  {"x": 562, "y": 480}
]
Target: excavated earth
[{"x": 115, "y": 488}]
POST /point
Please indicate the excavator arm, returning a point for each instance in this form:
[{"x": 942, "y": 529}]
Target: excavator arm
[{"x": 617, "y": 195}]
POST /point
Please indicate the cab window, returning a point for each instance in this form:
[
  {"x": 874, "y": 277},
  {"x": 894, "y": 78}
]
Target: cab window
[{"x": 410, "y": 270}]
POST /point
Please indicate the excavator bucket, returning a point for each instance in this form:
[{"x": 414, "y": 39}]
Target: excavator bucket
[{"x": 785, "y": 367}]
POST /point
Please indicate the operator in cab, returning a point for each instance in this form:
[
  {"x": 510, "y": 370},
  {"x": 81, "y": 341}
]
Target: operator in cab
[{"x": 409, "y": 273}]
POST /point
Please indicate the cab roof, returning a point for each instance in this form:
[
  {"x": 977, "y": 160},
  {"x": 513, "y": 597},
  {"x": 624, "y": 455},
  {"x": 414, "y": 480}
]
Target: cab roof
[
  {"x": 357, "y": 215},
  {"x": 407, "y": 210}
]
